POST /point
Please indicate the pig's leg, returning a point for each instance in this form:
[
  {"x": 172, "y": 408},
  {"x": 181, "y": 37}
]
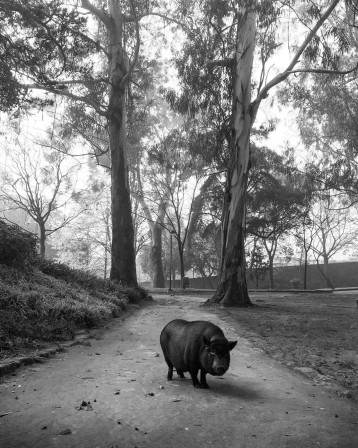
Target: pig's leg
[
  {"x": 203, "y": 382},
  {"x": 194, "y": 377},
  {"x": 180, "y": 373},
  {"x": 170, "y": 368}
]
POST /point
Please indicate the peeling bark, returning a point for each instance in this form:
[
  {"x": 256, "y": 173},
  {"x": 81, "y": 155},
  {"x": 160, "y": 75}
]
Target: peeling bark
[{"x": 232, "y": 289}]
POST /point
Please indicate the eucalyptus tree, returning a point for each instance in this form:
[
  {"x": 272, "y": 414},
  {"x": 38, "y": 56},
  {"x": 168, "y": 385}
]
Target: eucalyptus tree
[
  {"x": 85, "y": 51},
  {"x": 232, "y": 33}
]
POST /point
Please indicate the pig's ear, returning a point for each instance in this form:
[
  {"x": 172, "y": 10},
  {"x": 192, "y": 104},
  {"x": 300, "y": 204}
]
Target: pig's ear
[
  {"x": 206, "y": 341},
  {"x": 232, "y": 344}
]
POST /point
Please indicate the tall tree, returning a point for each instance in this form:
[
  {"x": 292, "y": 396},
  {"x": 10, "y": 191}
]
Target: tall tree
[
  {"x": 249, "y": 24},
  {"x": 49, "y": 46}
]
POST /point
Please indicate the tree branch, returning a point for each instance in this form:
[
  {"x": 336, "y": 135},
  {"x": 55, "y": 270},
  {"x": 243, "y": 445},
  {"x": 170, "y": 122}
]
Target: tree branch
[
  {"x": 227, "y": 62},
  {"x": 70, "y": 95},
  {"x": 101, "y": 15},
  {"x": 284, "y": 75},
  {"x": 324, "y": 71},
  {"x": 131, "y": 18},
  {"x": 136, "y": 53}
]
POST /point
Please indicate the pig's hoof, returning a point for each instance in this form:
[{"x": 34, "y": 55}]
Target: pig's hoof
[{"x": 204, "y": 386}]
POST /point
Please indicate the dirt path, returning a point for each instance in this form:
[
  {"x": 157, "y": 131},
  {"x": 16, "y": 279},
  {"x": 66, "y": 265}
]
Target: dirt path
[{"x": 258, "y": 403}]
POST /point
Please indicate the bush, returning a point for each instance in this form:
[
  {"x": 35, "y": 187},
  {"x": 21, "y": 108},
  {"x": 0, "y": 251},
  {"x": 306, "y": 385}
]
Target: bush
[
  {"x": 91, "y": 282},
  {"x": 136, "y": 294},
  {"x": 18, "y": 248},
  {"x": 50, "y": 303},
  {"x": 85, "y": 279},
  {"x": 295, "y": 283}
]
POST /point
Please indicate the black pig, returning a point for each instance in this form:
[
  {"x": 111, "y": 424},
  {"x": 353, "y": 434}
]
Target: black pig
[{"x": 194, "y": 346}]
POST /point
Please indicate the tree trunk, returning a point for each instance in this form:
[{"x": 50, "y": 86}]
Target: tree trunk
[
  {"x": 251, "y": 272},
  {"x": 232, "y": 289},
  {"x": 156, "y": 256},
  {"x": 181, "y": 258},
  {"x": 272, "y": 281},
  {"x": 123, "y": 254},
  {"x": 42, "y": 241},
  {"x": 106, "y": 248},
  {"x": 305, "y": 271},
  {"x": 329, "y": 284}
]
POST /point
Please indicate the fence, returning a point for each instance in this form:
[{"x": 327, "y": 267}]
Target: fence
[{"x": 342, "y": 275}]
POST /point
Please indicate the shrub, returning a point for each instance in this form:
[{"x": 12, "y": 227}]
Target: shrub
[
  {"x": 50, "y": 303},
  {"x": 136, "y": 294},
  {"x": 18, "y": 248},
  {"x": 82, "y": 278},
  {"x": 295, "y": 283}
]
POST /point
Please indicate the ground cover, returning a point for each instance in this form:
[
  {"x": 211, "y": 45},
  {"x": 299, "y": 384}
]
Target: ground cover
[
  {"x": 51, "y": 302},
  {"x": 315, "y": 333}
]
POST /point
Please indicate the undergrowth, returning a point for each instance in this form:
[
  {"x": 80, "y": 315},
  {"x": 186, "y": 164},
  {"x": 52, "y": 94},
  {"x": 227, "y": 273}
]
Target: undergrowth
[{"x": 51, "y": 301}]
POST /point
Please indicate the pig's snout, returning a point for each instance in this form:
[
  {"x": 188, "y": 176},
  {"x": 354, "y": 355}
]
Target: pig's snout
[{"x": 220, "y": 370}]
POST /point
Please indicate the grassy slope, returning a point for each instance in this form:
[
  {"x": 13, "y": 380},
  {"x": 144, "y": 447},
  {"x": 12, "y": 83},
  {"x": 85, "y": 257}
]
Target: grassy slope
[{"x": 36, "y": 307}]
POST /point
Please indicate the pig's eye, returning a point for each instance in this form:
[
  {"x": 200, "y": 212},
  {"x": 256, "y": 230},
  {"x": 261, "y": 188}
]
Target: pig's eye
[{"x": 212, "y": 353}]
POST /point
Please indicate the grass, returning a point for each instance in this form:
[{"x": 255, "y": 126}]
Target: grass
[
  {"x": 52, "y": 302},
  {"x": 318, "y": 331}
]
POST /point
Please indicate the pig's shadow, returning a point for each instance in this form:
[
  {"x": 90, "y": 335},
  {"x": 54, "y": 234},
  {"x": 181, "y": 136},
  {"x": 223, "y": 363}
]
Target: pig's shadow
[{"x": 233, "y": 388}]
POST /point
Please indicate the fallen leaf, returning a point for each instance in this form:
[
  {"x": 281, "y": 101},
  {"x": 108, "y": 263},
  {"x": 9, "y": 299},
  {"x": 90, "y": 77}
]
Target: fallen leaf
[{"x": 65, "y": 432}]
